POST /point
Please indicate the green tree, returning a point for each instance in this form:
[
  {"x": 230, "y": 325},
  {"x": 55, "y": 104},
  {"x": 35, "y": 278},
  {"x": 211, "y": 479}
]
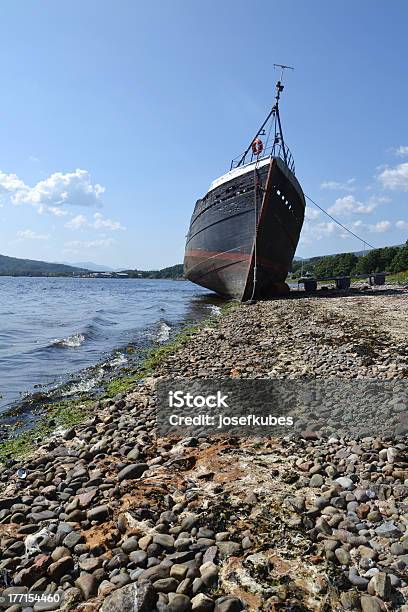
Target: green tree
[
  {"x": 369, "y": 262},
  {"x": 342, "y": 264},
  {"x": 378, "y": 260},
  {"x": 400, "y": 260}
]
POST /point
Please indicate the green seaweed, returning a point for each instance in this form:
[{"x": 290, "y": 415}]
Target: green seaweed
[
  {"x": 121, "y": 385},
  {"x": 66, "y": 414}
]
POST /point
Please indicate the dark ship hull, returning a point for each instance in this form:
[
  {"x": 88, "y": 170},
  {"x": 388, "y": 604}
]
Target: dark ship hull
[{"x": 243, "y": 234}]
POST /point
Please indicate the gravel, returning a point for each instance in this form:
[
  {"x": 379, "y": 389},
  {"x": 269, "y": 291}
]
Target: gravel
[{"x": 225, "y": 525}]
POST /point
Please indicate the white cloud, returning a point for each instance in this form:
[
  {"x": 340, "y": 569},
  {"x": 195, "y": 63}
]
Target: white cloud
[
  {"x": 335, "y": 185},
  {"x": 77, "y": 222},
  {"x": 99, "y": 222},
  {"x": 380, "y": 227},
  {"x": 325, "y": 228},
  {"x": 51, "y": 194},
  {"x": 312, "y": 231},
  {"x": 89, "y": 244},
  {"x": 395, "y": 178},
  {"x": 402, "y": 225},
  {"x": 349, "y": 205},
  {"x": 10, "y": 183},
  {"x": 311, "y": 213},
  {"x": 72, "y": 188},
  {"x": 102, "y": 223},
  {"x": 30, "y": 235},
  {"x": 57, "y": 212},
  {"x": 401, "y": 151}
]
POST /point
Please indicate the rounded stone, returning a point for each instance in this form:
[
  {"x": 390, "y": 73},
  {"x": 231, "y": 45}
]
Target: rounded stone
[
  {"x": 138, "y": 557},
  {"x": 88, "y": 585},
  {"x": 130, "y": 545},
  {"x": 166, "y": 585},
  {"x": 179, "y": 603},
  {"x": 202, "y": 603},
  {"x": 316, "y": 481}
]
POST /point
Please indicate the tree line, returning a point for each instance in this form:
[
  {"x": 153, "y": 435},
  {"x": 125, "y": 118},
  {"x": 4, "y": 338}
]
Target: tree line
[
  {"x": 170, "y": 272},
  {"x": 387, "y": 259}
]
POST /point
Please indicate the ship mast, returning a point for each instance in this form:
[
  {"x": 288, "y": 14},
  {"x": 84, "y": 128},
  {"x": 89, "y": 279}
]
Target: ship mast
[
  {"x": 274, "y": 112},
  {"x": 279, "y": 89},
  {"x": 242, "y": 160}
]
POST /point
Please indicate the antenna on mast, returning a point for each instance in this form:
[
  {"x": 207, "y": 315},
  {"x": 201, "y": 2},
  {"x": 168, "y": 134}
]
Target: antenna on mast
[
  {"x": 279, "y": 86},
  {"x": 275, "y": 110},
  {"x": 283, "y": 67}
]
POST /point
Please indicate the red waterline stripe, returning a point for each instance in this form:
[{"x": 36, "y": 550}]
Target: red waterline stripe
[
  {"x": 233, "y": 257},
  {"x": 224, "y": 255}
]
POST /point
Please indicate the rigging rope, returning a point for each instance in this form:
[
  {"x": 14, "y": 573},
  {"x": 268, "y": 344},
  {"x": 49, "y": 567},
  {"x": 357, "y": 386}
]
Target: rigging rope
[
  {"x": 256, "y": 187},
  {"x": 338, "y": 223}
]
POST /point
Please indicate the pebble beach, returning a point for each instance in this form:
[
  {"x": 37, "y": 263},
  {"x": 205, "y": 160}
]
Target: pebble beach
[{"x": 107, "y": 515}]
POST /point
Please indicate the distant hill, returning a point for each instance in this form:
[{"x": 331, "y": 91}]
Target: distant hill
[
  {"x": 13, "y": 266},
  {"x": 89, "y": 265}
]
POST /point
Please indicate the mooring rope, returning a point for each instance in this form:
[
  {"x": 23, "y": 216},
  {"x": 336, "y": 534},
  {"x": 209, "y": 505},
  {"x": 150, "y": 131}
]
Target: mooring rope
[{"x": 338, "y": 223}]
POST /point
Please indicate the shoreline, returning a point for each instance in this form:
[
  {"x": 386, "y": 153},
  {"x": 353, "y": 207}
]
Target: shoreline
[
  {"x": 51, "y": 414},
  {"x": 98, "y": 330},
  {"x": 113, "y": 373},
  {"x": 204, "y": 524}
]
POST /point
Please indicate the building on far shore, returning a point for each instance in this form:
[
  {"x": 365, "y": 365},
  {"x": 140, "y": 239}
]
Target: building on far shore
[{"x": 105, "y": 275}]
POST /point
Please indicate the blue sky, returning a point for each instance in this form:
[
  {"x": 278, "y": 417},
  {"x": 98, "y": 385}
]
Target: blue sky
[{"x": 116, "y": 116}]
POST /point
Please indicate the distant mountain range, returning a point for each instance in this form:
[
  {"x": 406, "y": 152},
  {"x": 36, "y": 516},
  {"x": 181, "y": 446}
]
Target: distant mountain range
[
  {"x": 13, "y": 266},
  {"x": 90, "y": 265}
]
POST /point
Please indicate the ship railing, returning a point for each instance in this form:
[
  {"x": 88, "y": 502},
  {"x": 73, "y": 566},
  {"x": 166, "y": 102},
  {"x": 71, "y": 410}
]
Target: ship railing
[{"x": 276, "y": 149}]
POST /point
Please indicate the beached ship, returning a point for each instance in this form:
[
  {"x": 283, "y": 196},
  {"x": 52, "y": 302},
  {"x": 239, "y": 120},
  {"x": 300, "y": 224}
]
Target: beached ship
[{"x": 244, "y": 232}]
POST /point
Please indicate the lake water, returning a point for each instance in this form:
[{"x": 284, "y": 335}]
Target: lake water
[{"x": 72, "y": 332}]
